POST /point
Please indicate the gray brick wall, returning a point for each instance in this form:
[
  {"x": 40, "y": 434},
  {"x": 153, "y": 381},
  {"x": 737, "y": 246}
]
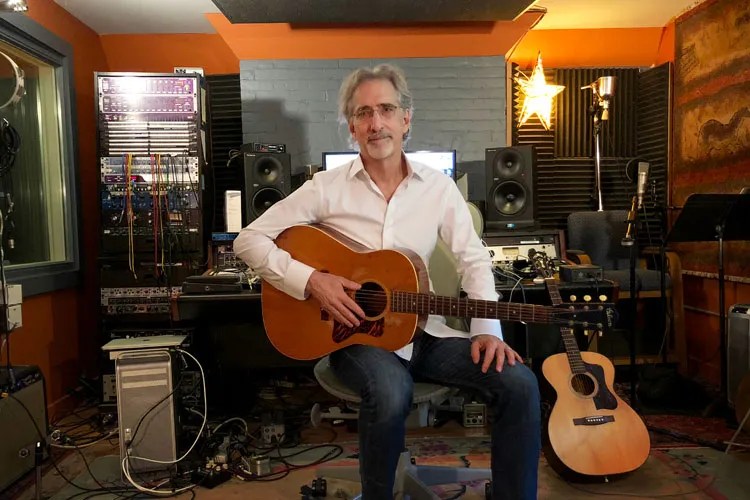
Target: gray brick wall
[{"x": 459, "y": 104}]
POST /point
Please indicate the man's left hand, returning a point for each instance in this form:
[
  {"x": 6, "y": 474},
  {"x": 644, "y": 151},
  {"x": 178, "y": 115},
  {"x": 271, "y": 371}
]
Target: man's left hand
[{"x": 494, "y": 349}]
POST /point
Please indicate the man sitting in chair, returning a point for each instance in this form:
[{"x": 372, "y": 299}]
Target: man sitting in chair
[{"x": 382, "y": 200}]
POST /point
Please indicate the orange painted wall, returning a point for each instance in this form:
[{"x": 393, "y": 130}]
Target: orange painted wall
[
  {"x": 220, "y": 53},
  {"x": 592, "y": 48},
  {"x": 290, "y": 41},
  {"x": 59, "y": 327},
  {"x": 161, "y": 53}
]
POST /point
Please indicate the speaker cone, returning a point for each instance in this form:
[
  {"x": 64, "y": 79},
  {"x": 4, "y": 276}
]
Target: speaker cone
[
  {"x": 508, "y": 163},
  {"x": 267, "y": 170},
  {"x": 264, "y": 198},
  {"x": 509, "y": 197}
]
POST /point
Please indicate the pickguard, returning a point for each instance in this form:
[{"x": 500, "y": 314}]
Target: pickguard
[
  {"x": 366, "y": 327},
  {"x": 604, "y": 399}
]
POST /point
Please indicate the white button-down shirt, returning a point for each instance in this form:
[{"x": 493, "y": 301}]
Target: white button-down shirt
[{"x": 426, "y": 205}]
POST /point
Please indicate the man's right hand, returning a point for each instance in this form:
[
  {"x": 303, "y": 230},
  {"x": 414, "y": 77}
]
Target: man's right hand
[{"x": 331, "y": 291}]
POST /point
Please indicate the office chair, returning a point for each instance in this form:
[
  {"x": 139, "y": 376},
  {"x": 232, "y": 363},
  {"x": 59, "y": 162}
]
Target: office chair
[
  {"x": 596, "y": 238},
  {"x": 413, "y": 481}
]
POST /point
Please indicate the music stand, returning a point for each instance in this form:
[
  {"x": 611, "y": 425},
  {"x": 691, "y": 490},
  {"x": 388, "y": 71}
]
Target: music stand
[{"x": 715, "y": 217}]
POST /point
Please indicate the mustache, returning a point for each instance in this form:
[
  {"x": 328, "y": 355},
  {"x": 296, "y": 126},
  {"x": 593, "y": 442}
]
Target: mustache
[{"x": 375, "y": 137}]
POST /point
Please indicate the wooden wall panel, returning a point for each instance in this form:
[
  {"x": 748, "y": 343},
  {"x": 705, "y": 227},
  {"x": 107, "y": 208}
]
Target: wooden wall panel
[{"x": 711, "y": 154}]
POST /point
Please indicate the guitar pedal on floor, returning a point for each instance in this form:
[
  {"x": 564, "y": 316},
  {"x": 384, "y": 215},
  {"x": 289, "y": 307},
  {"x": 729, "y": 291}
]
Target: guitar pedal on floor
[{"x": 475, "y": 415}]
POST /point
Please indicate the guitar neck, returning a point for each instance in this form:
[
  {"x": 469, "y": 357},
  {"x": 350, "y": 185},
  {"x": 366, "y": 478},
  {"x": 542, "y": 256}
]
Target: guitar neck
[
  {"x": 569, "y": 340},
  {"x": 571, "y": 349},
  {"x": 424, "y": 303}
]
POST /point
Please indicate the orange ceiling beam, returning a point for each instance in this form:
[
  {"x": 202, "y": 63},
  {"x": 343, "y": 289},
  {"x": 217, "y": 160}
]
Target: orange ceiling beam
[{"x": 291, "y": 41}]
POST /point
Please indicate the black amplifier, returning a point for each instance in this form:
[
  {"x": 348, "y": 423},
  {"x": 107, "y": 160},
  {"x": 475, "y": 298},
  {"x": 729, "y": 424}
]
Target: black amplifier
[
  {"x": 213, "y": 283},
  {"x": 259, "y": 147},
  {"x": 580, "y": 273},
  {"x": 25, "y": 401}
]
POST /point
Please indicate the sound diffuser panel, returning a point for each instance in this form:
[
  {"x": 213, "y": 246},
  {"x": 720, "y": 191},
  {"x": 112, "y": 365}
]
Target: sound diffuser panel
[{"x": 384, "y": 11}]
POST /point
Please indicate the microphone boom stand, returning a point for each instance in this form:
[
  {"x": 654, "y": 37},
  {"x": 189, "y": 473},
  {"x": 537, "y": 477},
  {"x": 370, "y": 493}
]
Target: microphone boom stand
[
  {"x": 631, "y": 241},
  {"x": 597, "y": 155},
  {"x": 603, "y": 89}
]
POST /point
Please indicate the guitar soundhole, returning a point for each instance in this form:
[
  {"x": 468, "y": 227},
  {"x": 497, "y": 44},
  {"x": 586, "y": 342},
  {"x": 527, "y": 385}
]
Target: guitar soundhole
[
  {"x": 372, "y": 299},
  {"x": 583, "y": 384}
]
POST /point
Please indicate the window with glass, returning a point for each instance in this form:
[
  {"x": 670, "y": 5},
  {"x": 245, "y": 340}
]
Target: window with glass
[{"x": 37, "y": 167}]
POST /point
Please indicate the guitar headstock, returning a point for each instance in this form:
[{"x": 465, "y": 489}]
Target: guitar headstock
[{"x": 590, "y": 314}]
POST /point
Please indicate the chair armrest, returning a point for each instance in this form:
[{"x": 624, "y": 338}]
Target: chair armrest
[
  {"x": 650, "y": 250},
  {"x": 674, "y": 266},
  {"x": 578, "y": 256},
  {"x": 671, "y": 259}
]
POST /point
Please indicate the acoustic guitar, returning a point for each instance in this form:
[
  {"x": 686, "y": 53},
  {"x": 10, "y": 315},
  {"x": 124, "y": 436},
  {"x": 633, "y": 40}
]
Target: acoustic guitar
[
  {"x": 591, "y": 431},
  {"x": 394, "y": 295}
]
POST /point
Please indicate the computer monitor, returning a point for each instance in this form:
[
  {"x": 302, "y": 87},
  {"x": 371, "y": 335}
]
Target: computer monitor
[
  {"x": 334, "y": 159},
  {"x": 444, "y": 161}
]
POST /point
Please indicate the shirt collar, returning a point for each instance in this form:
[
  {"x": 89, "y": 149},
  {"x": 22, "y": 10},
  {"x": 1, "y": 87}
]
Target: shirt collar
[{"x": 414, "y": 170}]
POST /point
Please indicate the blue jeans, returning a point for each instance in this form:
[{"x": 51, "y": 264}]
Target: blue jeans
[{"x": 385, "y": 383}]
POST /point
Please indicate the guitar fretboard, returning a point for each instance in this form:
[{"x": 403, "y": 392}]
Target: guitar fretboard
[
  {"x": 569, "y": 340},
  {"x": 423, "y": 303},
  {"x": 571, "y": 349}
]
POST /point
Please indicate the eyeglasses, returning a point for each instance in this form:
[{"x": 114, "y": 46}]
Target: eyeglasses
[{"x": 385, "y": 110}]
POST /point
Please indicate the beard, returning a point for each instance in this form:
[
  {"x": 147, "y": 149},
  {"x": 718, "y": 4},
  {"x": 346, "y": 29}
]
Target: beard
[{"x": 380, "y": 146}]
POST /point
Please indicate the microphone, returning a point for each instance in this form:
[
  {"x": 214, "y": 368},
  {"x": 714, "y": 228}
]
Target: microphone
[{"x": 642, "y": 181}]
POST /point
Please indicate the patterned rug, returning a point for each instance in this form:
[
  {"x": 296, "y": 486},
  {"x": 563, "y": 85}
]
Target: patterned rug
[
  {"x": 696, "y": 473},
  {"x": 689, "y": 430}
]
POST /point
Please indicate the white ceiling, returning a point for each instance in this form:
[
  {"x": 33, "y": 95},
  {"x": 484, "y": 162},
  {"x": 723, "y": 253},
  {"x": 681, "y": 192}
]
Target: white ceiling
[
  {"x": 186, "y": 16},
  {"x": 108, "y": 17},
  {"x": 582, "y": 14}
]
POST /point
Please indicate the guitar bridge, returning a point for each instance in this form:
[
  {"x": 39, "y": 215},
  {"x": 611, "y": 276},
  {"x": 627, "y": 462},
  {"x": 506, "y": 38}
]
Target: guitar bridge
[{"x": 597, "y": 420}]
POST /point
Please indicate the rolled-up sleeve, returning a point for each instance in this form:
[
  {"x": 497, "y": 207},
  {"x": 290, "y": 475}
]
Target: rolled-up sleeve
[
  {"x": 255, "y": 242},
  {"x": 474, "y": 262}
]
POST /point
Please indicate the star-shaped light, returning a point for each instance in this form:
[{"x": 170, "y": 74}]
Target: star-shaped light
[{"x": 538, "y": 95}]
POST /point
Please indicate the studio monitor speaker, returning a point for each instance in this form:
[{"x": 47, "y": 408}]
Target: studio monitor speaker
[
  {"x": 268, "y": 179},
  {"x": 511, "y": 182}
]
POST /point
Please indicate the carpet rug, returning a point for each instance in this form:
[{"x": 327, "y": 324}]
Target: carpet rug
[
  {"x": 691, "y": 430},
  {"x": 693, "y": 473}
]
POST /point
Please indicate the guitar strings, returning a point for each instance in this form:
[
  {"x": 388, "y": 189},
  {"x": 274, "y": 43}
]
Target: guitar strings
[
  {"x": 379, "y": 298},
  {"x": 376, "y": 294}
]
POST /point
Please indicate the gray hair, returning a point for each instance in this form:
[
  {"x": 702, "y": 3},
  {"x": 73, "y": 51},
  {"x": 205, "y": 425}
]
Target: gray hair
[{"x": 386, "y": 72}]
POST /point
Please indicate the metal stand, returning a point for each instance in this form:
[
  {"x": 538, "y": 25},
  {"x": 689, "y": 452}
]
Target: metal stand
[
  {"x": 598, "y": 157},
  {"x": 669, "y": 329},
  {"x": 603, "y": 89},
  {"x": 38, "y": 459},
  {"x": 633, "y": 222},
  {"x": 715, "y": 217}
]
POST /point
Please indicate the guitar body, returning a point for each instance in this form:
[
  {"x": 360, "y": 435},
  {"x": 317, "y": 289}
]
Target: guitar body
[
  {"x": 301, "y": 330},
  {"x": 591, "y": 430}
]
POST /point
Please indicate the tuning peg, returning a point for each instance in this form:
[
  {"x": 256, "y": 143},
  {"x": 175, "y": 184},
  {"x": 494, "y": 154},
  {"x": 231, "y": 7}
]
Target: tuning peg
[
  {"x": 573, "y": 298},
  {"x": 587, "y": 298},
  {"x": 602, "y": 298}
]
